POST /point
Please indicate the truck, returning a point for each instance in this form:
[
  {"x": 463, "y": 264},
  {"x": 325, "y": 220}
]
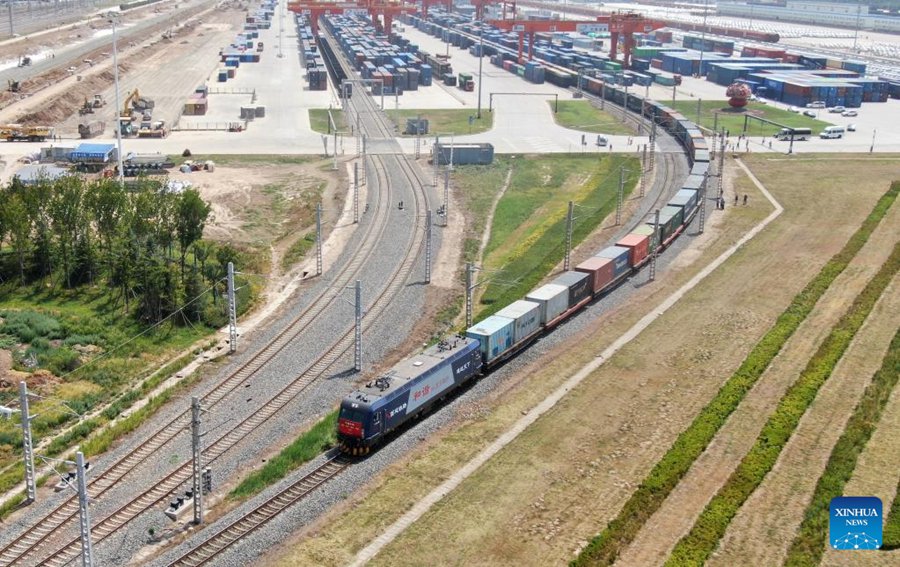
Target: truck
[
  {"x": 20, "y": 133},
  {"x": 259, "y": 46},
  {"x": 156, "y": 130},
  {"x": 91, "y": 129}
]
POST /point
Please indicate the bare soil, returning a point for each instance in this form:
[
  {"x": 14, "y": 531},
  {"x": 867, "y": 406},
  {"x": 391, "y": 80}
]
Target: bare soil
[{"x": 541, "y": 499}]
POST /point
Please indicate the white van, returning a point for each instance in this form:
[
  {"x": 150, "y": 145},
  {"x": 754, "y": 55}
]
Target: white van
[{"x": 832, "y": 132}]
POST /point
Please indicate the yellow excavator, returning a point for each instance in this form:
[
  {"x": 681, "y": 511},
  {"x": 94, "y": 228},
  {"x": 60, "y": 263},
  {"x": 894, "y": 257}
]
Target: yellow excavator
[{"x": 134, "y": 102}]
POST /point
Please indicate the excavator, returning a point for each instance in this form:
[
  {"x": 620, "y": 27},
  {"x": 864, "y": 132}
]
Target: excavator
[{"x": 134, "y": 102}]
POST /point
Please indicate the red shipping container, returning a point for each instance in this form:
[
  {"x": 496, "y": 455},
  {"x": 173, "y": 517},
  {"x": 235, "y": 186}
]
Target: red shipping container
[
  {"x": 656, "y": 63},
  {"x": 639, "y": 244},
  {"x": 600, "y": 270},
  {"x": 748, "y": 52}
]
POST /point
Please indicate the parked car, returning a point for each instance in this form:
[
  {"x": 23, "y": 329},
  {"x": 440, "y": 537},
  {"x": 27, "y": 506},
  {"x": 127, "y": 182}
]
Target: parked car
[
  {"x": 810, "y": 113},
  {"x": 849, "y": 113},
  {"x": 816, "y": 104},
  {"x": 851, "y": 127},
  {"x": 836, "y": 109}
]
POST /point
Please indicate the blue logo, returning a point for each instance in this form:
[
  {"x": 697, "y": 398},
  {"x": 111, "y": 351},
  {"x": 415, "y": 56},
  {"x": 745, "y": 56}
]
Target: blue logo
[{"x": 855, "y": 522}]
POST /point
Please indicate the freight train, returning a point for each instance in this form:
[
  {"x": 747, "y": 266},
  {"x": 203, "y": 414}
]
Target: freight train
[{"x": 416, "y": 384}]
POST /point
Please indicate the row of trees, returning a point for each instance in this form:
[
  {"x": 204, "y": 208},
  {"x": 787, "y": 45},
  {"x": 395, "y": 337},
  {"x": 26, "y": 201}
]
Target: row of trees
[{"x": 136, "y": 240}]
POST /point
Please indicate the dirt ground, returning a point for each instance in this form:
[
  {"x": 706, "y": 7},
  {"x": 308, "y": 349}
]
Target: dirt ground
[{"x": 541, "y": 499}]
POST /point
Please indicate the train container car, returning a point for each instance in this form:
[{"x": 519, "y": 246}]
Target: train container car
[
  {"x": 578, "y": 285},
  {"x": 686, "y": 199},
  {"x": 669, "y": 221},
  {"x": 552, "y": 299},
  {"x": 700, "y": 168},
  {"x": 527, "y": 318},
  {"x": 408, "y": 389},
  {"x": 643, "y": 230},
  {"x": 694, "y": 182},
  {"x": 620, "y": 255},
  {"x": 495, "y": 335},
  {"x": 638, "y": 246},
  {"x": 600, "y": 271}
]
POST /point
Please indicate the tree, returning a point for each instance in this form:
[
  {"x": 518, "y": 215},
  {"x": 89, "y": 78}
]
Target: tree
[
  {"x": 19, "y": 230},
  {"x": 108, "y": 204},
  {"x": 192, "y": 214}
]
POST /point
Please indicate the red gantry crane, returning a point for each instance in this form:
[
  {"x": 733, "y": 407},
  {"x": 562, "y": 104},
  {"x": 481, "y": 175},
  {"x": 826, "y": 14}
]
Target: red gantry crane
[
  {"x": 624, "y": 24},
  {"x": 386, "y": 10}
]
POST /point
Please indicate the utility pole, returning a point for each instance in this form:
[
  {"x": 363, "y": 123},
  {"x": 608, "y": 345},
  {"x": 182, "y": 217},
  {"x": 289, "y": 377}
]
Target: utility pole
[
  {"x": 446, "y": 197},
  {"x": 359, "y": 136},
  {"x": 480, "y": 63},
  {"x": 602, "y": 95},
  {"x": 702, "y": 196},
  {"x": 699, "y": 107},
  {"x": 721, "y": 190},
  {"x": 12, "y": 31},
  {"x": 357, "y": 351},
  {"x": 652, "y": 145},
  {"x": 355, "y": 192},
  {"x": 470, "y": 271},
  {"x": 643, "y": 170},
  {"x": 625, "y": 105},
  {"x": 428, "y": 246},
  {"x": 620, "y": 197},
  {"x": 570, "y": 218},
  {"x": 197, "y": 465},
  {"x": 655, "y": 243},
  {"x": 87, "y": 550},
  {"x": 27, "y": 446},
  {"x": 116, "y": 80},
  {"x": 232, "y": 311},
  {"x": 364, "y": 158},
  {"x": 318, "y": 239},
  {"x": 435, "y": 158}
]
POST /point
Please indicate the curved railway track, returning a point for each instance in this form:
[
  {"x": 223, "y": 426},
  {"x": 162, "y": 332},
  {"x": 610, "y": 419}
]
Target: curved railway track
[
  {"x": 40, "y": 532},
  {"x": 162, "y": 489}
]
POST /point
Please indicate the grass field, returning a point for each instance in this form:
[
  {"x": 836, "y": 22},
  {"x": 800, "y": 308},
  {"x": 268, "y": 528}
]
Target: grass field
[
  {"x": 318, "y": 120},
  {"x": 582, "y": 115},
  {"x": 528, "y": 230},
  {"x": 444, "y": 122},
  {"x": 734, "y": 121},
  {"x": 539, "y": 500}
]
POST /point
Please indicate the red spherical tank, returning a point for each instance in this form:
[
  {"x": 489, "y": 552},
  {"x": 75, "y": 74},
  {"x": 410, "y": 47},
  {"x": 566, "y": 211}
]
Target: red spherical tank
[{"x": 738, "y": 94}]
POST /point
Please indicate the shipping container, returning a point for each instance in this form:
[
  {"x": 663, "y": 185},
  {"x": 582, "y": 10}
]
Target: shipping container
[
  {"x": 643, "y": 230},
  {"x": 620, "y": 255},
  {"x": 553, "y": 300},
  {"x": 578, "y": 284},
  {"x": 686, "y": 198},
  {"x": 527, "y": 317},
  {"x": 638, "y": 245},
  {"x": 495, "y": 334},
  {"x": 600, "y": 271}
]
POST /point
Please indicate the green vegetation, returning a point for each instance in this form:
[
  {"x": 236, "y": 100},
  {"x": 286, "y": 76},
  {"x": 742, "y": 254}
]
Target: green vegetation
[
  {"x": 665, "y": 475},
  {"x": 582, "y": 115},
  {"x": 444, "y": 122},
  {"x": 528, "y": 231},
  {"x": 891, "y": 534},
  {"x": 701, "y": 541},
  {"x": 298, "y": 250},
  {"x": 734, "y": 121},
  {"x": 321, "y": 437},
  {"x": 235, "y": 160},
  {"x": 319, "y": 122},
  {"x": 811, "y": 539}
]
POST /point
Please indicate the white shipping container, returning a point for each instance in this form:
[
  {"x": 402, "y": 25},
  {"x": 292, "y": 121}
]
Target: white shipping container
[
  {"x": 553, "y": 299},
  {"x": 495, "y": 335},
  {"x": 526, "y": 314}
]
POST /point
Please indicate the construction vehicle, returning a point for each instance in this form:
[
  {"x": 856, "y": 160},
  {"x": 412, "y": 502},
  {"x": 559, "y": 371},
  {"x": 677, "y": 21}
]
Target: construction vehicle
[
  {"x": 157, "y": 129},
  {"x": 24, "y": 61},
  {"x": 135, "y": 102},
  {"x": 20, "y": 133},
  {"x": 259, "y": 46},
  {"x": 91, "y": 129},
  {"x": 99, "y": 101},
  {"x": 13, "y": 86},
  {"x": 86, "y": 108}
]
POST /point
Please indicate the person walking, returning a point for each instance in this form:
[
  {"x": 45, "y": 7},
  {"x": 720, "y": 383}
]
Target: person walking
[
  {"x": 745, "y": 199},
  {"x": 735, "y": 199}
]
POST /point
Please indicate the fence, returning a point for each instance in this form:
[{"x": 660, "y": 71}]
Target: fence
[
  {"x": 24, "y": 17},
  {"x": 208, "y": 126}
]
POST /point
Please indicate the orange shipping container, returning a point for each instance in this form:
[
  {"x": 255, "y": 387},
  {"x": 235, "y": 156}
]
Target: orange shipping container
[
  {"x": 639, "y": 246},
  {"x": 599, "y": 269}
]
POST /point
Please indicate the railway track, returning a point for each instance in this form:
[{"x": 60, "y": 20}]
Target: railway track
[
  {"x": 40, "y": 532},
  {"x": 259, "y": 516},
  {"x": 162, "y": 489}
]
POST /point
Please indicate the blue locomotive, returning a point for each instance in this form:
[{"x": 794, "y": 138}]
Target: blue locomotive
[{"x": 407, "y": 390}]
